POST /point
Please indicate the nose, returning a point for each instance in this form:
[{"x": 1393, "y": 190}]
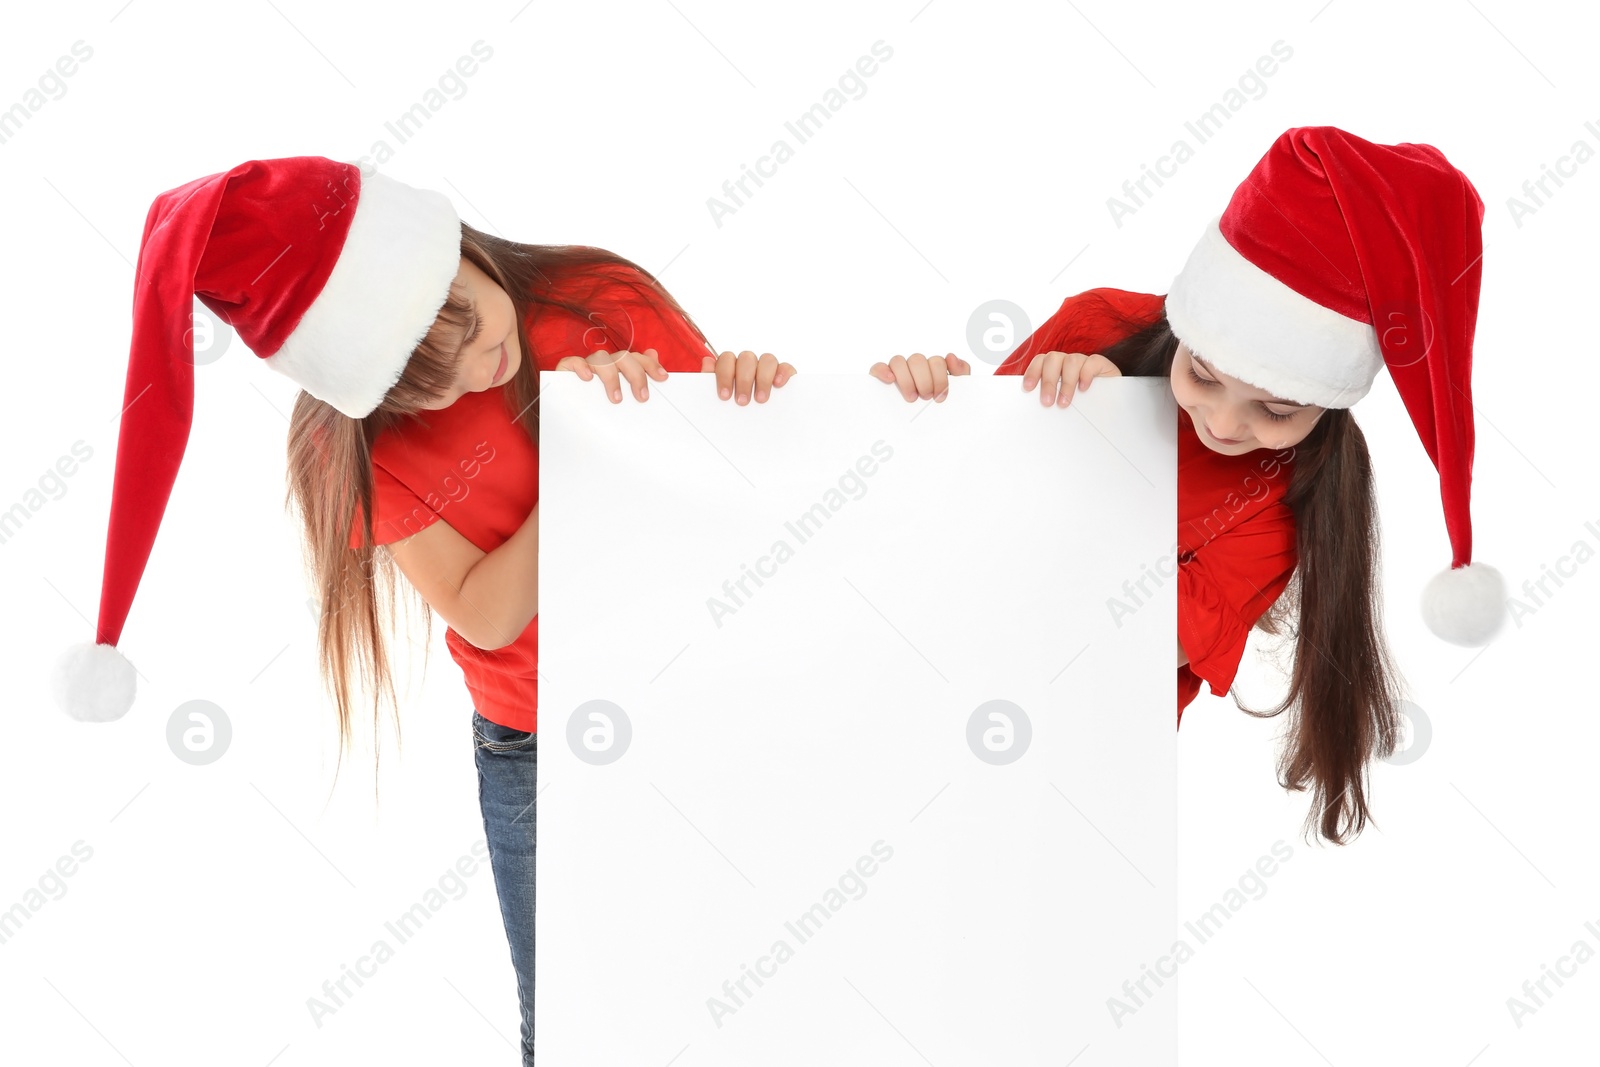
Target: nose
[
  {"x": 492, "y": 364},
  {"x": 1231, "y": 434}
]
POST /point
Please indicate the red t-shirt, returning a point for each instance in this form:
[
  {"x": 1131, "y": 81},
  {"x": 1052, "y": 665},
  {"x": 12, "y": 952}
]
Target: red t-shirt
[
  {"x": 473, "y": 465},
  {"x": 1236, "y": 536}
]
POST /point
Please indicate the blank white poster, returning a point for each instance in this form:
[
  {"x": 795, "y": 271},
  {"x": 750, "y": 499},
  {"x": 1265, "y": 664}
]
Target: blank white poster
[{"x": 846, "y": 756}]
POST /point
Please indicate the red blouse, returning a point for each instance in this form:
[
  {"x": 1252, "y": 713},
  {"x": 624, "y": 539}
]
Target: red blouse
[
  {"x": 1236, "y": 536},
  {"x": 472, "y": 464}
]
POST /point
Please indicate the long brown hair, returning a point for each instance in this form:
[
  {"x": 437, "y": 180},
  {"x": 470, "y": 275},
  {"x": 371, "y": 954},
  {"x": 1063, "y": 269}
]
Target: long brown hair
[
  {"x": 330, "y": 453},
  {"x": 1344, "y": 690}
]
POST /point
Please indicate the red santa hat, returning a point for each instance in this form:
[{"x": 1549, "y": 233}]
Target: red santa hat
[
  {"x": 330, "y": 276},
  {"x": 1336, "y": 257}
]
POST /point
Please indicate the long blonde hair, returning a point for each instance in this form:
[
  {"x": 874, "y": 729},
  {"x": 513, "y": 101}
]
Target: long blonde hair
[{"x": 330, "y": 454}]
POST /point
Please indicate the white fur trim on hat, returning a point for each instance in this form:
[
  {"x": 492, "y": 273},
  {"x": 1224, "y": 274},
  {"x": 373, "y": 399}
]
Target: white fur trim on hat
[
  {"x": 1252, "y": 326},
  {"x": 401, "y": 253}
]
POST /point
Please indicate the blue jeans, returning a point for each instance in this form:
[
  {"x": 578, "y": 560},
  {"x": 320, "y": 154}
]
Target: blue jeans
[{"x": 507, "y": 764}]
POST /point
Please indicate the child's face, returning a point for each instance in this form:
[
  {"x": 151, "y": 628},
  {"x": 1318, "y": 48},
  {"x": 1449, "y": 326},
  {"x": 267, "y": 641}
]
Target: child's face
[
  {"x": 1224, "y": 407},
  {"x": 493, "y": 334}
]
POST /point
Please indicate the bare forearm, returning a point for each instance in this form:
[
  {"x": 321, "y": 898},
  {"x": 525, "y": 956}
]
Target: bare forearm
[{"x": 504, "y": 585}]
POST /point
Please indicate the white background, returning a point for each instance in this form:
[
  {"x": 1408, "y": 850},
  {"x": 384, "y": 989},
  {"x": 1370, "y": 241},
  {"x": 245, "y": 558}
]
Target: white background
[{"x": 977, "y": 165}]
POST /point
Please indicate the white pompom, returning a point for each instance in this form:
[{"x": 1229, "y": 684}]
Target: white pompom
[
  {"x": 94, "y": 683},
  {"x": 1465, "y": 605}
]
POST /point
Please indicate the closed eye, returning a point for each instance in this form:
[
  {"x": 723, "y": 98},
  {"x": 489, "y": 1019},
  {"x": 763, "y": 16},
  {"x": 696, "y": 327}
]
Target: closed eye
[{"x": 1275, "y": 416}]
